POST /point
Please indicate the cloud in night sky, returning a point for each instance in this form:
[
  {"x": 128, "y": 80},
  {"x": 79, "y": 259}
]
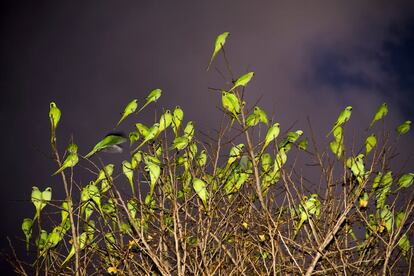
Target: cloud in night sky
[{"x": 310, "y": 59}]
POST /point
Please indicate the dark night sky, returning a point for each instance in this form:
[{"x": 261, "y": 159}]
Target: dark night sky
[{"x": 311, "y": 58}]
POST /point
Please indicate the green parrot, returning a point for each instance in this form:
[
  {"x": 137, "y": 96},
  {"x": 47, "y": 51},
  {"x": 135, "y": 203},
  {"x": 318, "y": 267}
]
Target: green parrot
[
  {"x": 129, "y": 173},
  {"x": 152, "y": 133},
  {"x": 399, "y": 218},
  {"x": 106, "y": 185},
  {"x": 189, "y": 130},
  {"x": 338, "y": 134},
  {"x": 180, "y": 143},
  {"x": 71, "y": 160},
  {"x": 165, "y": 121},
  {"x": 40, "y": 199},
  {"x": 370, "y": 143},
  {"x": 153, "y": 96},
  {"x": 381, "y": 113},
  {"x": 235, "y": 181},
  {"x": 154, "y": 171},
  {"x": 404, "y": 242},
  {"x": 337, "y": 148},
  {"x": 261, "y": 114},
  {"x": 356, "y": 164},
  {"x": 142, "y": 129},
  {"x": 110, "y": 143},
  {"x": 90, "y": 228},
  {"x": 87, "y": 206},
  {"x": 252, "y": 120},
  {"x": 280, "y": 160},
  {"x": 82, "y": 240},
  {"x": 105, "y": 173},
  {"x": 245, "y": 162},
  {"x": 266, "y": 161},
  {"x": 271, "y": 134},
  {"x": 291, "y": 137},
  {"x": 192, "y": 151},
  {"x": 200, "y": 187},
  {"x": 65, "y": 212},
  {"x": 132, "y": 208},
  {"x": 383, "y": 190},
  {"x": 303, "y": 215},
  {"x": 136, "y": 159},
  {"x": 220, "y": 41},
  {"x": 130, "y": 108},
  {"x": 109, "y": 207},
  {"x": 307, "y": 208},
  {"x": 95, "y": 195},
  {"x": 202, "y": 158},
  {"x": 54, "y": 115},
  {"x": 27, "y": 228},
  {"x": 231, "y": 104},
  {"x": 343, "y": 117},
  {"x": 41, "y": 239},
  {"x": 177, "y": 118},
  {"x": 404, "y": 245},
  {"x": 405, "y": 180},
  {"x": 53, "y": 238},
  {"x": 387, "y": 218},
  {"x": 235, "y": 153},
  {"x": 404, "y": 128},
  {"x": 243, "y": 80},
  {"x": 36, "y": 198},
  {"x": 258, "y": 116},
  {"x": 133, "y": 137}
]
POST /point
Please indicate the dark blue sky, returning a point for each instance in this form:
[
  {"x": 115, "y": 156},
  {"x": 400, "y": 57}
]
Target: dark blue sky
[{"x": 311, "y": 59}]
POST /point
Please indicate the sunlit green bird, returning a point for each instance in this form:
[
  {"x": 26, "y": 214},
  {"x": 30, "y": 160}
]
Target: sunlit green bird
[
  {"x": 40, "y": 199},
  {"x": 272, "y": 133},
  {"x": 200, "y": 187},
  {"x": 129, "y": 173},
  {"x": 153, "y": 96},
  {"x": 242, "y": 81},
  {"x": 130, "y": 108},
  {"x": 27, "y": 228},
  {"x": 54, "y": 115},
  {"x": 110, "y": 143},
  {"x": 152, "y": 133},
  {"x": 387, "y": 218},
  {"x": 165, "y": 121},
  {"x": 189, "y": 130},
  {"x": 180, "y": 143},
  {"x": 307, "y": 208},
  {"x": 220, "y": 41},
  {"x": 343, "y": 117},
  {"x": 178, "y": 115},
  {"x": 71, "y": 159},
  {"x": 370, "y": 143},
  {"x": 133, "y": 137},
  {"x": 404, "y": 128},
  {"x": 235, "y": 153},
  {"x": 82, "y": 239},
  {"x": 142, "y": 129},
  {"x": 231, "y": 103},
  {"x": 381, "y": 113},
  {"x": 105, "y": 173}
]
